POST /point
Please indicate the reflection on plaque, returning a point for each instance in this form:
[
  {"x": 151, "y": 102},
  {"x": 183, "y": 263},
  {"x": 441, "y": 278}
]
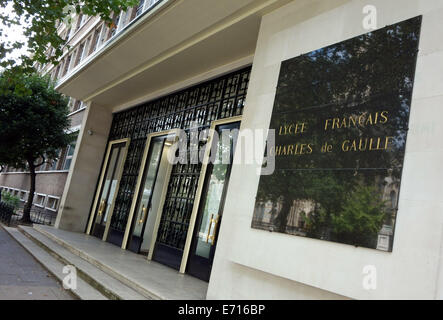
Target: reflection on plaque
[{"x": 341, "y": 120}]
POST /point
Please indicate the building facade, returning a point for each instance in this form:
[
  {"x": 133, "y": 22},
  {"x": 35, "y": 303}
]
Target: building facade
[
  {"x": 182, "y": 67},
  {"x": 85, "y": 36}
]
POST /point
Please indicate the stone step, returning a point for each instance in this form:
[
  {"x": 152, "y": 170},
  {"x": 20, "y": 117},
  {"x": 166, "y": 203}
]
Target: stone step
[
  {"x": 103, "y": 282},
  {"x": 119, "y": 275},
  {"x": 84, "y": 291}
]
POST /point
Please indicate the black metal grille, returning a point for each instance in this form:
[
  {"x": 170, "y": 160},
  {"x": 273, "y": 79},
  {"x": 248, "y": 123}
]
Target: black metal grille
[
  {"x": 220, "y": 98},
  {"x": 178, "y": 205},
  {"x": 11, "y": 216}
]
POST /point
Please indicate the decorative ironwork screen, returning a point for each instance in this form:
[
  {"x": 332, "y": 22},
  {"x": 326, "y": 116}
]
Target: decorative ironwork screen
[
  {"x": 178, "y": 205},
  {"x": 216, "y": 99}
]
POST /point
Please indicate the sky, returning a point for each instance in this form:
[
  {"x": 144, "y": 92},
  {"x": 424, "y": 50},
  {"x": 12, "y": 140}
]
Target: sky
[{"x": 13, "y": 33}]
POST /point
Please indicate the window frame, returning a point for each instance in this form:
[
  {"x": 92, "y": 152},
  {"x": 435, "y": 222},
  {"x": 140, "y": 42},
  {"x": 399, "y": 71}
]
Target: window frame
[
  {"x": 72, "y": 145},
  {"x": 42, "y": 203},
  {"x": 56, "y": 202}
]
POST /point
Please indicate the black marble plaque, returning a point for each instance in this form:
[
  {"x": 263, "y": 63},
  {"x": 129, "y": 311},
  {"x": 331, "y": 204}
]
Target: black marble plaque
[{"x": 341, "y": 120}]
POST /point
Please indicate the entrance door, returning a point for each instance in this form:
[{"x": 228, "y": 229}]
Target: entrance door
[
  {"x": 108, "y": 188},
  {"x": 153, "y": 181},
  {"x": 211, "y": 206}
]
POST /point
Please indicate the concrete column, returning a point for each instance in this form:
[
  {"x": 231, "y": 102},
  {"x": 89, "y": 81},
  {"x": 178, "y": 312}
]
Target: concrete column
[{"x": 85, "y": 169}]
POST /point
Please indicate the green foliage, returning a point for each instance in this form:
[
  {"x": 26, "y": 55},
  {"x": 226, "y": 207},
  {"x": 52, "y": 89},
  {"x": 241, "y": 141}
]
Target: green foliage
[
  {"x": 33, "y": 120},
  {"x": 363, "y": 213},
  {"x": 40, "y": 17},
  {"x": 356, "y": 221},
  {"x": 11, "y": 200},
  {"x": 33, "y": 124}
]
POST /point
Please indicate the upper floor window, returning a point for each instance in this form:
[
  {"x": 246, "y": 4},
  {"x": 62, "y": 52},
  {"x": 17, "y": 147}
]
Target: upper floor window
[
  {"x": 84, "y": 53},
  {"x": 80, "y": 21},
  {"x": 54, "y": 162},
  {"x": 80, "y": 53},
  {"x": 77, "y": 105},
  {"x": 57, "y": 72},
  {"x": 139, "y": 8},
  {"x": 152, "y": 2},
  {"x": 95, "y": 39},
  {"x": 67, "y": 63},
  {"x": 42, "y": 167},
  {"x": 68, "y": 34},
  {"x": 69, "y": 155},
  {"x": 114, "y": 25},
  {"x": 99, "y": 36}
]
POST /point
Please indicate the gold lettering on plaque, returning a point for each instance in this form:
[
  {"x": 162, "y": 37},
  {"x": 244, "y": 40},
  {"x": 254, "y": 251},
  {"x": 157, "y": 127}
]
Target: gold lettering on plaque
[{"x": 363, "y": 120}]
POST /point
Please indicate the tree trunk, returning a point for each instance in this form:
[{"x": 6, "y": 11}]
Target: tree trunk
[{"x": 27, "y": 208}]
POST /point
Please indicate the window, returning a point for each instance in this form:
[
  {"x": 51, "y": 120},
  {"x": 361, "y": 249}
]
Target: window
[
  {"x": 139, "y": 8},
  {"x": 23, "y": 195},
  {"x": 39, "y": 200},
  {"x": 84, "y": 52},
  {"x": 80, "y": 21},
  {"x": 51, "y": 52},
  {"x": 142, "y": 6},
  {"x": 57, "y": 72},
  {"x": 80, "y": 53},
  {"x": 52, "y": 203},
  {"x": 113, "y": 28},
  {"x": 54, "y": 162},
  {"x": 77, "y": 105},
  {"x": 393, "y": 198},
  {"x": 123, "y": 19},
  {"x": 68, "y": 34},
  {"x": 41, "y": 167},
  {"x": 95, "y": 40},
  {"x": 99, "y": 37},
  {"x": 66, "y": 67},
  {"x": 69, "y": 154},
  {"x": 83, "y": 20},
  {"x": 152, "y": 3},
  {"x": 71, "y": 103}
]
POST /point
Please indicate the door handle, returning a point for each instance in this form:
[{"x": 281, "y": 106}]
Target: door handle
[
  {"x": 215, "y": 222},
  {"x": 101, "y": 208},
  {"x": 214, "y": 233},
  {"x": 144, "y": 214},
  {"x": 210, "y": 227}
]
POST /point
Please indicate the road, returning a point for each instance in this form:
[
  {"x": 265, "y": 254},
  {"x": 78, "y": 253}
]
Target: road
[{"x": 22, "y": 277}]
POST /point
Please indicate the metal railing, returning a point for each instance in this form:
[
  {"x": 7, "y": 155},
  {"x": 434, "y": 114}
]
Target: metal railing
[
  {"x": 38, "y": 215},
  {"x": 6, "y": 213}
]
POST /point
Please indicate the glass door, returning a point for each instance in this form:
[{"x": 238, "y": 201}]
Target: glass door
[
  {"x": 211, "y": 205},
  {"x": 108, "y": 188},
  {"x": 149, "y": 195}
]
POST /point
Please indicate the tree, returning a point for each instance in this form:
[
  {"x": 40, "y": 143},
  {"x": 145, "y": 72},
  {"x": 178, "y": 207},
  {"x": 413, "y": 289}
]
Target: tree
[
  {"x": 33, "y": 124},
  {"x": 40, "y": 20},
  {"x": 361, "y": 217}
]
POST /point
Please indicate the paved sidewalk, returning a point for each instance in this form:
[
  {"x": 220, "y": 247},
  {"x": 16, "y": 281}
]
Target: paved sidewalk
[{"x": 22, "y": 277}]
